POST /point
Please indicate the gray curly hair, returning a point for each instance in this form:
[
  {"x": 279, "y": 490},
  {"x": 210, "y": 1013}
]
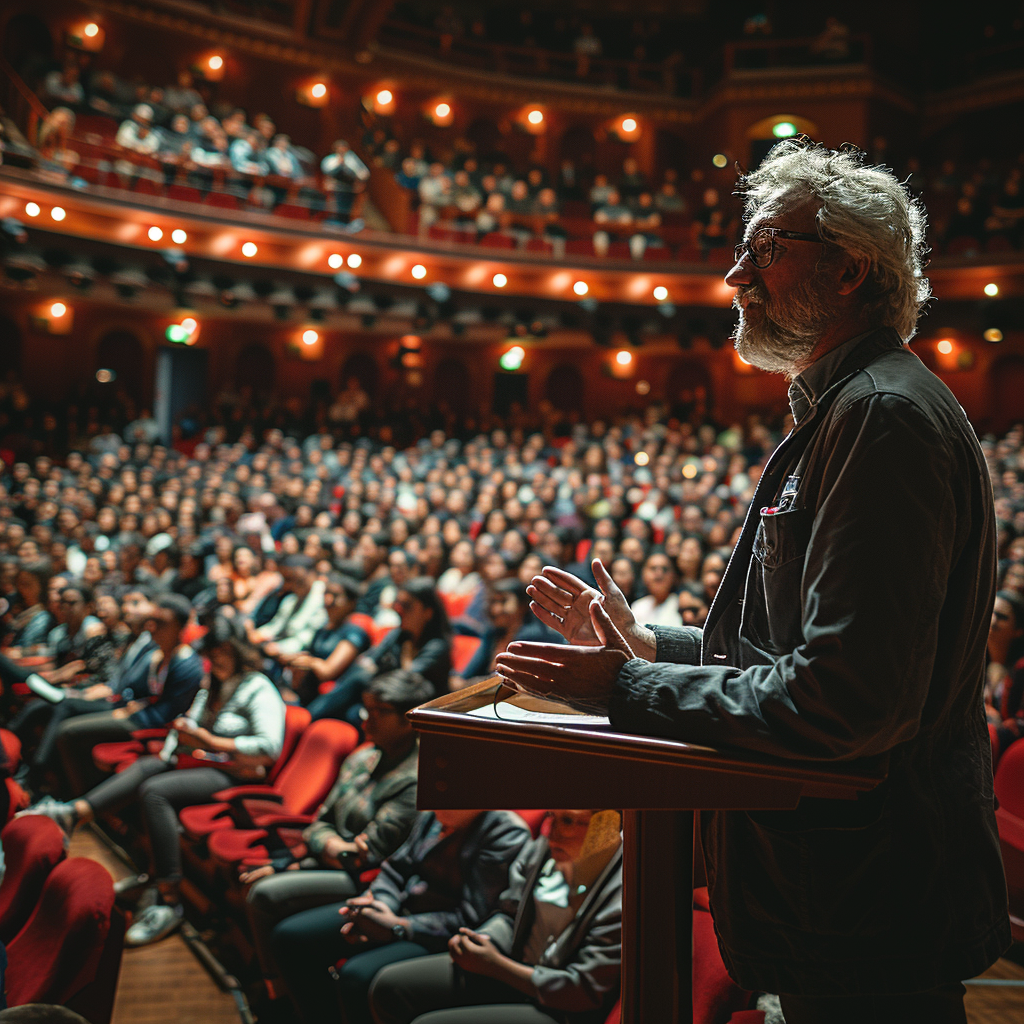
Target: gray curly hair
[{"x": 864, "y": 210}]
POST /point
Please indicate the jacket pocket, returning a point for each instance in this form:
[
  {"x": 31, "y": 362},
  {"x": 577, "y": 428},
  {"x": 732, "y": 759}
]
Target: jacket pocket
[{"x": 772, "y": 609}]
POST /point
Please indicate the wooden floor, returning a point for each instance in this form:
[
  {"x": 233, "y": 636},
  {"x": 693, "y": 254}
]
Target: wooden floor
[
  {"x": 163, "y": 983},
  {"x": 166, "y": 984}
]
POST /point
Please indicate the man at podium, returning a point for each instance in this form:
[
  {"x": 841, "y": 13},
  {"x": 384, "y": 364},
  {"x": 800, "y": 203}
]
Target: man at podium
[{"x": 849, "y": 629}]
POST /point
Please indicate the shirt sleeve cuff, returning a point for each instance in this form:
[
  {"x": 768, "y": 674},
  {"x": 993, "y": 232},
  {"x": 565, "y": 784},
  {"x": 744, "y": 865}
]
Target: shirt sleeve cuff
[{"x": 678, "y": 644}]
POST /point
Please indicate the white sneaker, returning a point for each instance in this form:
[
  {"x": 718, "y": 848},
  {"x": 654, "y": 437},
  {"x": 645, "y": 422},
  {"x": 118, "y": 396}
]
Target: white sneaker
[
  {"x": 154, "y": 924},
  {"x": 62, "y": 813}
]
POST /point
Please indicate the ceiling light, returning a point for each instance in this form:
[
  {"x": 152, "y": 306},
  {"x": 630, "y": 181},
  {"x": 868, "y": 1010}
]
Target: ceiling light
[
  {"x": 993, "y": 334},
  {"x": 249, "y": 249},
  {"x": 945, "y": 346},
  {"x": 32, "y": 209},
  {"x": 629, "y": 125},
  {"x": 535, "y": 116},
  {"x": 499, "y": 280},
  {"x": 720, "y": 160},
  {"x": 442, "y": 110},
  {"x": 310, "y": 337},
  {"x": 580, "y": 288},
  {"x": 384, "y": 97},
  {"x": 419, "y": 271},
  {"x": 58, "y": 309},
  {"x": 335, "y": 260},
  {"x": 155, "y": 233},
  {"x": 215, "y": 63},
  {"x": 355, "y": 260},
  {"x": 661, "y": 293},
  {"x": 91, "y": 30},
  {"x": 178, "y": 236},
  {"x": 319, "y": 91},
  {"x": 59, "y": 213},
  {"x": 991, "y": 289},
  {"x": 623, "y": 357}
]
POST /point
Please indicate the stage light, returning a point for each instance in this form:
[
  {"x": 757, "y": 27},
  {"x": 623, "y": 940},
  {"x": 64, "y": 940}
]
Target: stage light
[
  {"x": 310, "y": 337},
  {"x": 190, "y": 323},
  {"x": 784, "y": 130},
  {"x": 59, "y": 213},
  {"x": 641, "y": 458},
  {"x": 155, "y": 233},
  {"x": 355, "y": 260},
  {"x": 720, "y": 160},
  {"x": 623, "y": 358},
  {"x": 91, "y": 30},
  {"x": 945, "y": 346},
  {"x": 249, "y": 249},
  {"x": 318, "y": 91},
  {"x": 215, "y": 63},
  {"x": 442, "y": 110},
  {"x": 991, "y": 289},
  {"x": 629, "y": 125},
  {"x": 994, "y": 335},
  {"x": 580, "y": 288},
  {"x": 513, "y": 358},
  {"x": 32, "y": 209},
  {"x": 535, "y": 117},
  {"x": 178, "y": 236},
  {"x": 419, "y": 271},
  {"x": 384, "y": 97},
  {"x": 661, "y": 293},
  {"x": 499, "y": 280},
  {"x": 58, "y": 309},
  {"x": 335, "y": 260}
]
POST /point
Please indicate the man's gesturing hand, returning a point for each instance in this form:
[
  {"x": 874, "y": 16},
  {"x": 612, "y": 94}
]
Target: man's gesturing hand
[
  {"x": 562, "y": 601},
  {"x": 580, "y": 676}
]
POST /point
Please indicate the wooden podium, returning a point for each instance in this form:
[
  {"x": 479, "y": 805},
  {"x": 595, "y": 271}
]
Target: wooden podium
[{"x": 468, "y": 762}]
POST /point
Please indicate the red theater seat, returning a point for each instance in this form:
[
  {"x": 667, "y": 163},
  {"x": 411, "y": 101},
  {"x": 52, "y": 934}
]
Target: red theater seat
[
  {"x": 463, "y": 649},
  {"x": 184, "y": 194},
  {"x": 116, "y": 756},
  {"x": 69, "y": 952},
  {"x": 33, "y": 847},
  {"x": 299, "y": 789},
  {"x": 1009, "y": 787}
]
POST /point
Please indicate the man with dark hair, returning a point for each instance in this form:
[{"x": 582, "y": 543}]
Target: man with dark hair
[
  {"x": 371, "y": 554},
  {"x": 173, "y": 673},
  {"x": 299, "y": 615},
  {"x": 849, "y": 629}
]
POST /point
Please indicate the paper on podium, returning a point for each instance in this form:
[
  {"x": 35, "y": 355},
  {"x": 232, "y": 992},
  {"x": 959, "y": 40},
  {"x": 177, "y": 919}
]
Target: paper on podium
[{"x": 537, "y": 711}]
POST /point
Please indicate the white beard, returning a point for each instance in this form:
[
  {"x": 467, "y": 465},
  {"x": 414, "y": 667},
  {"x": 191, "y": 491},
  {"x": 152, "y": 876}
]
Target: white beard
[{"x": 777, "y": 339}]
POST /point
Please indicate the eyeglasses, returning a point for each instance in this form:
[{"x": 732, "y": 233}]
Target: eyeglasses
[
  {"x": 760, "y": 246},
  {"x": 567, "y": 822}
]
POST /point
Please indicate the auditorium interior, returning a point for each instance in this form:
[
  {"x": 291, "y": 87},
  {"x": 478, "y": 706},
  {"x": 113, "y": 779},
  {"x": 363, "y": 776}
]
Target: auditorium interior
[{"x": 360, "y": 312}]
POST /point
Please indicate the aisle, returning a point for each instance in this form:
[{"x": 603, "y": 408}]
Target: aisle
[{"x": 163, "y": 983}]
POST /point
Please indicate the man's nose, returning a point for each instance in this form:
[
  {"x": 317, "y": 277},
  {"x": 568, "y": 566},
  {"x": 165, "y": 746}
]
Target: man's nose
[{"x": 741, "y": 273}]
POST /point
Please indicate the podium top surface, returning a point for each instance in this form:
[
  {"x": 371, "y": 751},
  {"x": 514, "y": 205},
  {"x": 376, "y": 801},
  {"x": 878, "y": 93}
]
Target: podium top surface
[{"x": 453, "y": 740}]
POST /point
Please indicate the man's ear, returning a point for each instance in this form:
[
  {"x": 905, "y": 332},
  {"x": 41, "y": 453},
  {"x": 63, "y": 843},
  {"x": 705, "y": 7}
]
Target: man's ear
[{"x": 855, "y": 270}]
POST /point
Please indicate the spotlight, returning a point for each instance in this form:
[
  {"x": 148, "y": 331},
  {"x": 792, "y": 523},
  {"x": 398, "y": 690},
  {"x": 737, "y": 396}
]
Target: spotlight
[
  {"x": 91, "y": 30},
  {"x": 994, "y": 335},
  {"x": 58, "y": 213},
  {"x": 155, "y": 233},
  {"x": 419, "y": 271},
  {"x": 190, "y": 324},
  {"x": 32, "y": 209},
  {"x": 58, "y": 309},
  {"x": 945, "y": 346},
  {"x": 623, "y": 357},
  {"x": 310, "y": 337},
  {"x": 335, "y": 260},
  {"x": 384, "y": 97},
  {"x": 249, "y": 249},
  {"x": 442, "y": 110},
  {"x": 580, "y": 288},
  {"x": 215, "y": 63},
  {"x": 178, "y": 236},
  {"x": 319, "y": 91},
  {"x": 720, "y": 160},
  {"x": 355, "y": 260},
  {"x": 535, "y": 117},
  {"x": 513, "y": 358},
  {"x": 991, "y": 289},
  {"x": 499, "y": 280},
  {"x": 661, "y": 293},
  {"x": 628, "y": 125},
  {"x": 784, "y": 130}
]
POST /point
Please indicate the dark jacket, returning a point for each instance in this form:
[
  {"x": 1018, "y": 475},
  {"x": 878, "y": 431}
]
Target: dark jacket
[
  {"x": 441, "y": 884},
  {"x": 578, "y": 976},
  {"x": 169, "y": 694},
  {"x": 850, "y": 630}
]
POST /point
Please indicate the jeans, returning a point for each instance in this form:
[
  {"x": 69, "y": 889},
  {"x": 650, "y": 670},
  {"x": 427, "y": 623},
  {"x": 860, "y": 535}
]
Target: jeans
[{"x": 75, "y": 739}]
